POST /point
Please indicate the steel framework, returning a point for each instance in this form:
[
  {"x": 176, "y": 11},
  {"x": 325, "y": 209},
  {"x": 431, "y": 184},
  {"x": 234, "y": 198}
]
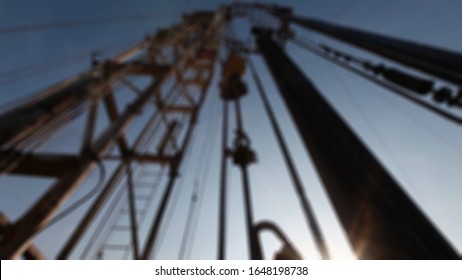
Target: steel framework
[
  {"x": 158, "y": 87},
  {"x": 183, "y": 56}
]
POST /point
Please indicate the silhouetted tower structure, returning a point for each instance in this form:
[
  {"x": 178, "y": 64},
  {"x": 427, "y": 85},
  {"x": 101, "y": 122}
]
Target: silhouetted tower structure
[
  {"x": 178, "y": 62},
  {"x": 177, "y": 65}
]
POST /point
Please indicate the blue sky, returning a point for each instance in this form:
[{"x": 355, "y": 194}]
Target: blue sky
[{"x": 421, "y": 150}]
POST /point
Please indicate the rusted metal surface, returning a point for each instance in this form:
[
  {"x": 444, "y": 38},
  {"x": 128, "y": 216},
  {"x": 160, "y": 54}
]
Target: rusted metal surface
[
  {"x": 49, "y": 165},
  {"x": 76, "y": 92}
]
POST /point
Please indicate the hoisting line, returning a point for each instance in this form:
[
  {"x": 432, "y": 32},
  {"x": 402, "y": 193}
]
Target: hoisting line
[{"x": 299, "y": 188}]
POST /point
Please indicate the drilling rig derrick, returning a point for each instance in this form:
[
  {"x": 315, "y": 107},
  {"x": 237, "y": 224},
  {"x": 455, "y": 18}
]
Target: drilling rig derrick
[{"x": 151, "y": 95}]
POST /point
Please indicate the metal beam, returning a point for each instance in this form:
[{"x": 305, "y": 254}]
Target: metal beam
[
  {"x": 222, "y": 216},
  {"x": 21, "y": 234},
  {"x": 179, "y": 109},
  {"x": 91, "y": 213},
  {"x": 23, "y": 121},
  {"x": 435, "y": 61},
  {"x": 41, "y": 213},
  {"x": 176, "y": 163},
  {"x": 380, "y": 220},
  {"x": 48, "y": 165},
  {"x": 296, "y": 180},
  {"x": 173, "y": 176},
  {"x": 32, "y": 253},
  {"x": 169, "y": 137},
  {"x": 104, "y": 194},
  {"x": 113, "y": 114},
  {"x": 132, "y": 212},
  {"x": 394, "y": 88}
]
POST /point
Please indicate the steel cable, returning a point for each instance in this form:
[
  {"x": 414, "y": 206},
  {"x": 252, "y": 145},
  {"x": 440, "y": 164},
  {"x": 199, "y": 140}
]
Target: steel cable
[
  {"x": 296, "y": 180},
  {"x": 206, "y": 152},
  {"x": 83, "y": 22}
]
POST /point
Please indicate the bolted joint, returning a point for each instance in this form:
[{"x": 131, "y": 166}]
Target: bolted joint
[
  {"x": 90, "y": 153},
  {"x": 128, "y": 156},
  {"x": 132, "y": 107}
]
